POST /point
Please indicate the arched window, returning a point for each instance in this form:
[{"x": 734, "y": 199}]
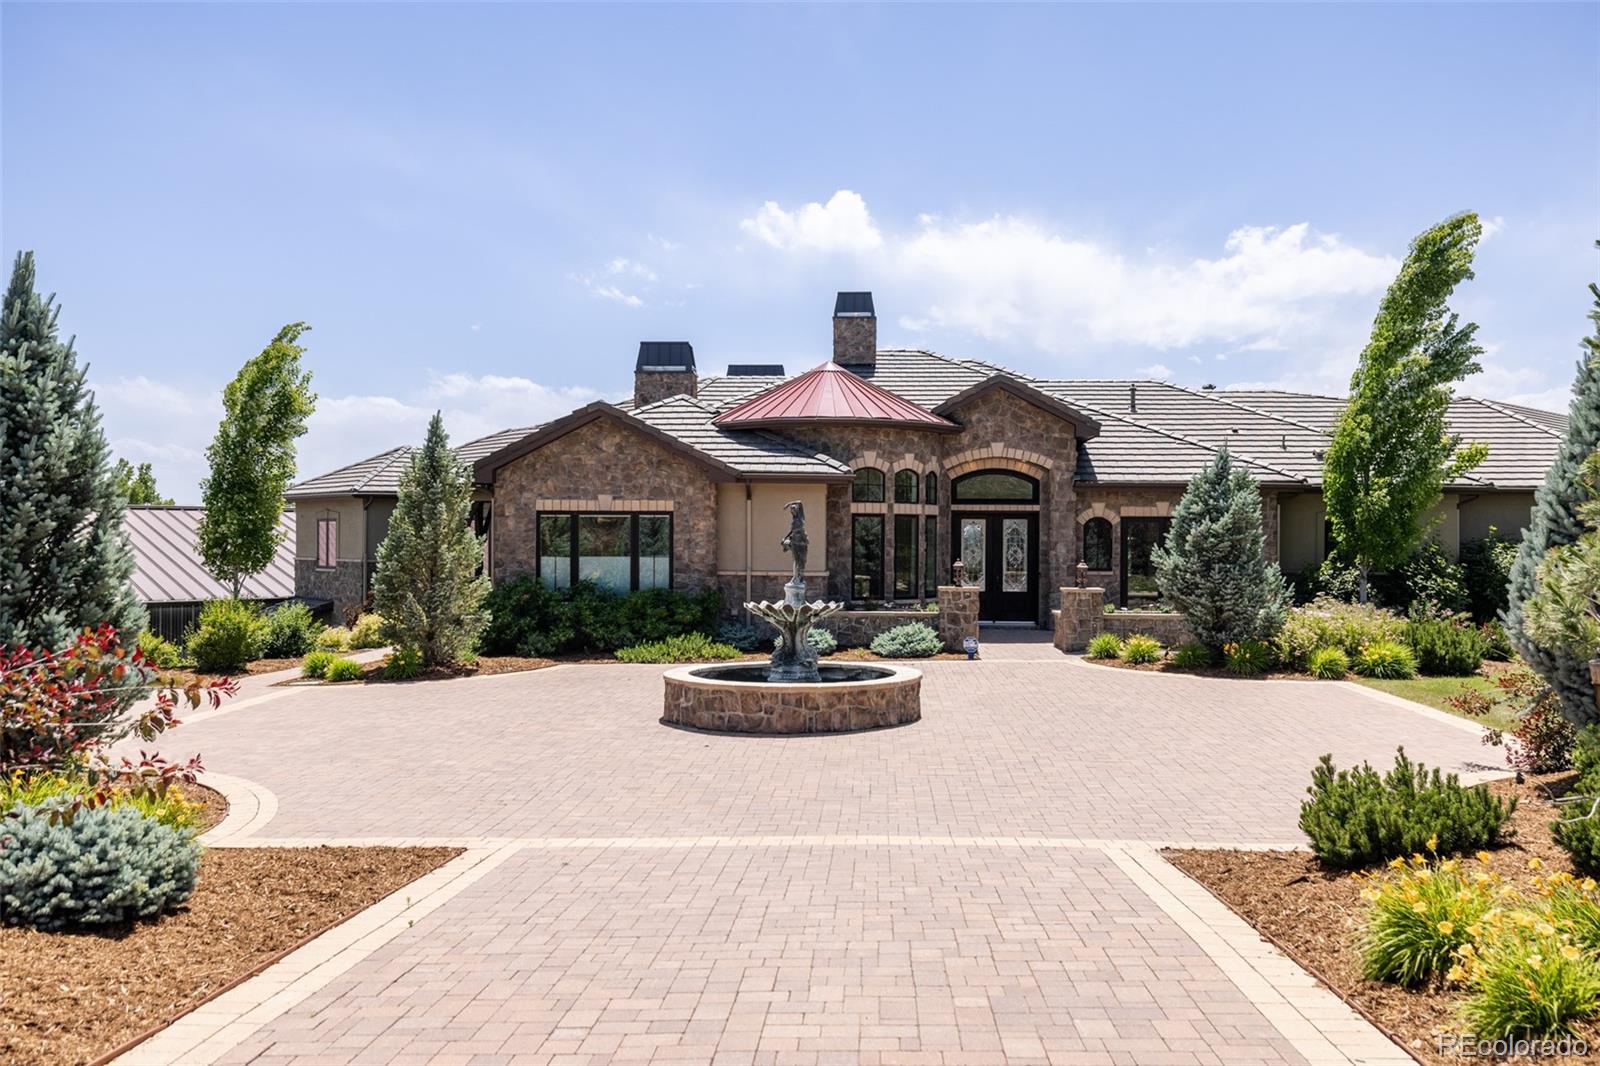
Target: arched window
[
  {"x": 1097, "y": 543},
  {"x": 994, "y": 486},
  {"x": 905, "y": 487},
  {"x": 931, "y": 489},
  {"x": 868, "y": 486}
]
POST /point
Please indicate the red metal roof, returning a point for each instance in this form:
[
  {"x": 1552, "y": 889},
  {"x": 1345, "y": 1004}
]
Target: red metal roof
[{"x": 829, "y": 393}]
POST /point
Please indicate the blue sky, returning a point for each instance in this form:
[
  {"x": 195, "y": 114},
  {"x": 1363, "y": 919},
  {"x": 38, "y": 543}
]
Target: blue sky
[{"x": 484, "y": 208}]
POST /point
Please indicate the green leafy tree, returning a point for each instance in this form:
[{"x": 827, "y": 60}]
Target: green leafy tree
[
  {"x": 1214, "y": 565},
  {"x": 1391, "y": 453},
  {"x": 427, "y": 586},
  {"x": 1556, "y": 522},
  {"x": 138, "y": 487},
  {"x": 65, "y": 564},
  {"x": 265, "y": 409}
]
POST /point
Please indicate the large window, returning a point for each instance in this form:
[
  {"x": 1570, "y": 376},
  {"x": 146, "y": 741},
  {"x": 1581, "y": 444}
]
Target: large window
[
  {"x": 327, "y": 543},
  {"x": 868, "y": 486},
  {"x": 905, "y": 487},
  {"x": 905, "y": 553},
  {"x": 620, "y": 552},
  {"x": 931, "y": 493},
  {"x": 992, "y": 486},
  {"x": 1097, "y": 543},
  {"x": 866, "y": 556},
  {"x": 930, "y": 555},
  {"x": 1140, "y": 538}
]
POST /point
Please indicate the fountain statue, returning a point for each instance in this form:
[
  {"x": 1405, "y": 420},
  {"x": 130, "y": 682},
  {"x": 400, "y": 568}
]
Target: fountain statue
[{"x": 793, "y": 657}]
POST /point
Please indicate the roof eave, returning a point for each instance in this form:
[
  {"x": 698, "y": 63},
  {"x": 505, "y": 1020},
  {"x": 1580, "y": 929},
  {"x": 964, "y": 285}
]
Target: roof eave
[
  {"x": 483, "y": 470},
  {"x": 1087, "y": 428}
]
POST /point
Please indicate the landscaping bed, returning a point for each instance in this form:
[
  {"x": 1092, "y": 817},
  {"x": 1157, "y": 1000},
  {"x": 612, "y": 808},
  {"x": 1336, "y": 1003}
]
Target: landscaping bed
[
  {"x": 483, "y": 666},
  {"x": 1316, "y": 916},
  {"x": 74, "y": 997}
]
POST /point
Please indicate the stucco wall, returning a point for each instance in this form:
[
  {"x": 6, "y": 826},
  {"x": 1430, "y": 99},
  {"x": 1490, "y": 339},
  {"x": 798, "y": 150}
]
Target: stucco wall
[
  {"x": 352, "y": 526},
  {"x": 770, "y": 523},
  {"x": 1508, "y": 512},
  {"x": 1302, "y": 542},
  {"x": 635, "y": 473}
]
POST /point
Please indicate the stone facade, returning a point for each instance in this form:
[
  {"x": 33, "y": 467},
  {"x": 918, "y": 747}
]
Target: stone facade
[
  {"x": 1168, "y": 627},
  {"x": 1078, "y": 620},
  {"x": 345, "y": 584},
  {"x": 652, "y": 385},
  {"x": 855, "y": 340},
  {"x": 697, "y": 702},
  {"x": 636, "y": 472},
  {"x": 856, "y": 629}
]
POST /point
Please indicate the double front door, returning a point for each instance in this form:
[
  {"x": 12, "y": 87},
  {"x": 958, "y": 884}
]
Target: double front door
[{"x": 999, "y": 554}]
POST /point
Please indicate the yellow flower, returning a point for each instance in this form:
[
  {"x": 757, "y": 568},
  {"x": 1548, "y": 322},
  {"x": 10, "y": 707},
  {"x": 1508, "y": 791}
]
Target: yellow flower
[
  {"x": 1474, "y": 931},
  {"x": 1418, "y": 860},
  {"x": 1424, "y": 875},
  {"x": 1456, "y": 973},
  {"x": 1420, "y": 907},
  {"x": 1447, "y": 928},
  {"x": 1433, "y": 842},
  {"x": 1536, "y": 863},
  {"x": 1397, "y": 864},
  {"x": 1483, "y": 856},
  {"x": 1571, "y": 953},
  {"x": 1371, "y": 895},
  {"x": 1467, "y": 951},
  {"x": 1546, "y": 929},
  {"x": 1589, "y": 884},
  {"x": 1536, "y": 960}
]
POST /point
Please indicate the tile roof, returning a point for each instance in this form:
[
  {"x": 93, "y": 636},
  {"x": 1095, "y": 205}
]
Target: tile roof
[
  {"x": 167, "y": 566},
  {"x": 380, "y": 475},
  {"x": 830, "y": 393},
  {"x": 1171, "y": 431}
]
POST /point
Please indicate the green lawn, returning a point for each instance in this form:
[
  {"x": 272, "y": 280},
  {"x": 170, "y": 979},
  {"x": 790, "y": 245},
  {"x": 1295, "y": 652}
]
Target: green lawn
[{"x": 1433, "y": 691}]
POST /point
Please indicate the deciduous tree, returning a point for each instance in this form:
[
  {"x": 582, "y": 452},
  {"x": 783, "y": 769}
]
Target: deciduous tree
[
  {"x": 138, "y": 486},
  {"x": 1391, "y": 452}
]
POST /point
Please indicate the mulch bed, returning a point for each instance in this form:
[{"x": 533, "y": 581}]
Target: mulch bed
[
  {"x": 73, "y": 997},
  {"x": 484, "y": 666},
  {"x": 1316, "y": 917}
]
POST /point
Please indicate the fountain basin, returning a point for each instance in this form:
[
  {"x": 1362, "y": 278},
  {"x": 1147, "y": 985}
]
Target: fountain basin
[{"x": 739, "y": 699}]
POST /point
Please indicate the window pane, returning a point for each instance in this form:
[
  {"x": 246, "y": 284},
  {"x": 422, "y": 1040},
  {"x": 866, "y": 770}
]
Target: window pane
[
  {"x": 604, "y": 552},
  {"x": 868, "y": 487},
  {"x": 995, "y": 487},
  {"x": 1138, "y": 568},
  {"x": 655, "y": 551},
  {"x": 555, "y": 551},
  {"x": 905, "y": 553},
  {"x": 1097, "y": 544},
  {"x": 930, "y": 555},
  {"x": 973, "y": 532},
  {"x": 905, "y": 487},
  {"x": 1014, "y": 555},
  {"x": 931, "y": 495},
  {"x": 866, "y": 556}
]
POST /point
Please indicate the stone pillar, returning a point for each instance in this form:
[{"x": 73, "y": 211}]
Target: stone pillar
[
  {"x": 958, "y": 615},
  {"x": 1079, "y": 618}
]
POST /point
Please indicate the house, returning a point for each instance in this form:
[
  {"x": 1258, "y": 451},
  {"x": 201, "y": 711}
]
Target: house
[
  {"x": 905, "y": 460},
  {"x": 172, "y": 582}
]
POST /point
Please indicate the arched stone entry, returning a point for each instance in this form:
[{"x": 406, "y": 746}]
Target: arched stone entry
[{"x": 994, "y": 527}]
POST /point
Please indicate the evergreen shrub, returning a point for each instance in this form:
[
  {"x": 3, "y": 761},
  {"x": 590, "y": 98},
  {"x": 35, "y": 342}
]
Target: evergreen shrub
[
  {"x": 822, "y": 641},
  {"x": 105, "y": 866},
  {"x": 527, "y": 618},
  {"x": 914, "y": 640},
  {"x": 683, "y": 648},
  {"x": 1358, "y": 817},
  {"x": 1445, "y": 647},
  {"x": 291, "y": 632}
]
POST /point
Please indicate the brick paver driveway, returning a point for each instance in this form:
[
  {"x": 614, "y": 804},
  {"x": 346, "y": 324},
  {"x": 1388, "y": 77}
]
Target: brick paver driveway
[{"x": 948, "y": 892}]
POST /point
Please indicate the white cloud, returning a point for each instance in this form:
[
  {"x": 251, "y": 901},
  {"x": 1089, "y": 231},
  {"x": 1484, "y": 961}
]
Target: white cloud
[
  {"x": 843, "y": 224},
  {"x": 1492, "y": 226},
  {"x": 1159, "y": 371},
  {"x": 607, "y": 291},
  {"x": 631, "y": 267},
  {"x": 170, "y": 427}
]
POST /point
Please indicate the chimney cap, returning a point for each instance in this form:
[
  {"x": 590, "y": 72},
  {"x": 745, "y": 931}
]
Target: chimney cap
[
  {"x": 755, "y": 370},
  {"x": 853, "y": 305},
  {"x": 665, "y": 355}
]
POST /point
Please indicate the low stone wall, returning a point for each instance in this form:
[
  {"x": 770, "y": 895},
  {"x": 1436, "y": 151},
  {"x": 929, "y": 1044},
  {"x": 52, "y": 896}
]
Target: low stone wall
[
  {"x": 1167, "y": 627},
  {"x": 893, "y": 696},
  {"x": 1082, "y": 616},
  {"x": 855, "y": 629}
]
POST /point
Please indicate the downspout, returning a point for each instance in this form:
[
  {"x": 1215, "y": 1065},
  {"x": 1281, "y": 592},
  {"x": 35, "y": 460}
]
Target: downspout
[{"x": 749, "y": 542}]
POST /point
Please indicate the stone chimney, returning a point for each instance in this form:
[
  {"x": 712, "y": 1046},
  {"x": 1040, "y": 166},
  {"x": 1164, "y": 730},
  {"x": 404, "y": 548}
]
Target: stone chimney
[
  {"x": 855, "y": 330},
  {"x": 664, "y": 368}
]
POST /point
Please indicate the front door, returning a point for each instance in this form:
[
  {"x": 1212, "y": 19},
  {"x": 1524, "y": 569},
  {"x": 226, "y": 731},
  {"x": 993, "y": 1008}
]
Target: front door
[{"x": 1000, "y": 556}]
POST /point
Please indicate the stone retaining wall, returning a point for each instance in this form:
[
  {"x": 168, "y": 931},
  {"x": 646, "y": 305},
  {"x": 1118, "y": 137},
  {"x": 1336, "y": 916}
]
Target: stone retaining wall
[
  {"x": 1170, "y": 629},
  {"x": 1082, "y": 616},
  {"x": 855, "y": 629}
]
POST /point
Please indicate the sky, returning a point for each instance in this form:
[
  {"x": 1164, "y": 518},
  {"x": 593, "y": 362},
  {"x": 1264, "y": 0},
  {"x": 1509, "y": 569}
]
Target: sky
[{"x": 482, "y": 209}]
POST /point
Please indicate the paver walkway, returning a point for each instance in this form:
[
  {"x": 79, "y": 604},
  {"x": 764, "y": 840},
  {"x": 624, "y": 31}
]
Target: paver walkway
[{"x": 957, "y": 891}]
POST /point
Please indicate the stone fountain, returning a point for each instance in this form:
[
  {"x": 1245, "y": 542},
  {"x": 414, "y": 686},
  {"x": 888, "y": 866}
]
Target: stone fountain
[{"x": 793, "y": 693}]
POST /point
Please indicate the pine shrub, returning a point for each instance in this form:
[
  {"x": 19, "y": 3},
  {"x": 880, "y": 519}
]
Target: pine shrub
[
  {"x": 368, "y": 632},
  {"x": 1329, "y": 664},
  {"x": 1140, "y": 650},
  {"x": 105, "y": 866},
  {"x": 741, "y": 635},
  {"x": 1213, "y": 566},
  {"x": 291, "y": 632},
  {"x": 1445, "y": 647},
  {"x": 684, "y": 648},
  {"x": 1358, "y": 817},
  {"x": 822, "y": 641},
  {"x": 316, "y": 664},
  {"x": 1247, "y": 658},
  {"x": 914, "y": 640},
  {"x": 343, "y": 670},
  {"x": 1191, "y": 656},
  {"x": 1386, "y": 660},
  {"x": 1104, "y": 646},
  {"x": 1586, "y": 760},
  {"x": 1579, "y": 836},
  {"x": 231, "y": 633}
]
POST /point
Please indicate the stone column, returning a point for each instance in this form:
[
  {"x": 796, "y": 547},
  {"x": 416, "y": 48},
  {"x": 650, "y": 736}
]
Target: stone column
[
  {"x": 958, "y": 615},
  {"x": 1079, "y": 619}
]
